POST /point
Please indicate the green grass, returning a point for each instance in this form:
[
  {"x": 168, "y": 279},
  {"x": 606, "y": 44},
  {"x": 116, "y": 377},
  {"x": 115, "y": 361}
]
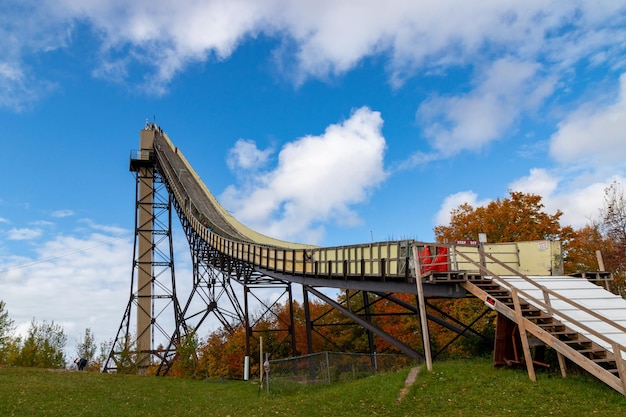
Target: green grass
[{"x": 454, "y": 388}]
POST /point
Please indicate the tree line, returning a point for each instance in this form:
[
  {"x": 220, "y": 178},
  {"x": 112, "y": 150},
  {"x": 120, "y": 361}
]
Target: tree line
[{"x": 44, "y": 345}]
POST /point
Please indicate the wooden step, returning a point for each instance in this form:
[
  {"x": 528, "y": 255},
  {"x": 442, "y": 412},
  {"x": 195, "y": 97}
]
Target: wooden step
[
  {"x": 556, "y": 326},
  {"x": 591, "y": 350},
  {"x": 564, "y": 332},
  {"x": 603, "y": 360},
  {"x": 581, "y": 342},
  {"x": 499, "y": 293},
  {"x": 540, "y": 316},
  {"x": 486, "y": 283}
]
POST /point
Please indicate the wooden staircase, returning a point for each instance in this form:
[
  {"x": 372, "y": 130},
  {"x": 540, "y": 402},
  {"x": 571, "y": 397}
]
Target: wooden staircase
[
  {"x": 535, "y": 320},
  {"x": 539, "y": 324},
  {"x": 543, "y": 327}
]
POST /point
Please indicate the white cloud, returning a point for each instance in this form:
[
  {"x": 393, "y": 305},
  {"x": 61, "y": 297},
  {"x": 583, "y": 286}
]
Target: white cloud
[
  {"x": 77, "y": 282},
  {"x": 314, "y": 37},
  {"x": 579, "y": 196},
  {"x": 580, "y": 199},
  {"x": 317, "y": 179},
  {"x": 539, "y": 182},
  {"x": 17, "y": 89},
  {"x": 27, "y": 27},
  {"x": 593, "y": 134},
  {"x": 108, "y": 229},
  {"x": 470, "y": 121},
  {"x": 23, "y": 234},
  {"x": 579, "y": 205},
  {"x": 245, "y": 155},
  {"x": 453, "y": 201},
  {"x": 42, "y": 223},
  {"x": 62, "y": 213},
  {"x": 83, "y": 281}
]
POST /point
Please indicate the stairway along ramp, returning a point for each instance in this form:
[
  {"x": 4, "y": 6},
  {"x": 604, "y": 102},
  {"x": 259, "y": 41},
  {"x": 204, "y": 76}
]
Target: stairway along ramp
[{"x": 578, "y": 319}]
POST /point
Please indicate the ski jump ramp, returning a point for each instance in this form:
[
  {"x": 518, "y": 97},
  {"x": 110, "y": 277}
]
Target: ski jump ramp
[{"x": 522, "y": 281}]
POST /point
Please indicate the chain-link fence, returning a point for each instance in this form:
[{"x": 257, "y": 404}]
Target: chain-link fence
[{"x": 328, "y": 367}]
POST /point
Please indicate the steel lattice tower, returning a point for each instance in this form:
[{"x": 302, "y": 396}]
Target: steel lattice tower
[{"x": 153, "y": 303}]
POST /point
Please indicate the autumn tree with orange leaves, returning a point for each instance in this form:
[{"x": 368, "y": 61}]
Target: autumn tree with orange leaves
[{"x": 519, "y": 217}]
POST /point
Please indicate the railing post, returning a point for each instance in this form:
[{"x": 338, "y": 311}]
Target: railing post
[
  {"x": 422, "y": 311},
  {"x": 619, "y": 363},
  {"x": 560, "y": 357},
  {"x": 454, "y": 263},
  {"x": 328, "y": 367},
  {"x": 521, "y": 326}
]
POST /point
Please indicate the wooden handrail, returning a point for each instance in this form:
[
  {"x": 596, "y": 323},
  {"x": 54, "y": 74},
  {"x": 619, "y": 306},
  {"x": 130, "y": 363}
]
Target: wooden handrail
[{"x": 567, "y": 300}]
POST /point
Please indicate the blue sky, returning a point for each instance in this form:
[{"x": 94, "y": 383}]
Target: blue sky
[{"x": 326, "y": 122}]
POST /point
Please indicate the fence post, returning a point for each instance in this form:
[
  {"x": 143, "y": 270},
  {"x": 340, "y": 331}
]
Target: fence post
[
  {"x": 266, "y": 368},
  {"x": 328, "y": 367}
]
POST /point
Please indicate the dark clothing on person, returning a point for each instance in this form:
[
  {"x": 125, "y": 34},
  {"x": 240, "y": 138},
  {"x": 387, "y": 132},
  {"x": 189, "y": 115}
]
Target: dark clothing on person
[{"x": 80, "y": 363}]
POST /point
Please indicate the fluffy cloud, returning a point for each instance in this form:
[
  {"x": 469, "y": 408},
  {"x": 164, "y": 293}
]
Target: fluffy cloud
[
  {"x": 315, "y": 38},
  {"x": 539, "y": 182},
  {"x": 455, "y": 200},
  {"x": 77, "y": 282},
  {"x": 23, "y": 234},
  {"x": 245, "y": 155},
  {"x": 317, "y": 179},
  {"x": 579, "y": 198},
  {"x": 594, "y": 133},
  {"x": 501, "y": 94}
]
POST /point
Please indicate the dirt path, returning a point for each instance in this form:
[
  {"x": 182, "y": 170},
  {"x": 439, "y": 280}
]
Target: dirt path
[{"x": 410, "y": 380}]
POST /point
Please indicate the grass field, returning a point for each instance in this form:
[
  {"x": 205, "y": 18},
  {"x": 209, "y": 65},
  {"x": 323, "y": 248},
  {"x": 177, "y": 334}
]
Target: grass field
[{"x": 455, "y": 388}]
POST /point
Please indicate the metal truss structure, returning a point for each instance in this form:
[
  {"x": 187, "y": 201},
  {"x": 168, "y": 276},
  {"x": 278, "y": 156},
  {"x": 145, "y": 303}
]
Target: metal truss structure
[
  {"x": 154, "y": 298},
  {"x": 227, "y": 287}
]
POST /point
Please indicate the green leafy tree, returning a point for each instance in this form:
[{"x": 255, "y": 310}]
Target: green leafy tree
[
  {"x": 12, "y": 350},
  {"x": 43, "y": 346},
  {"x": 186, "y": 363},
  {"x": 6, "y": 328},
  {"x": 86, "y": 348},
  {"x": 125, "y": 356}
]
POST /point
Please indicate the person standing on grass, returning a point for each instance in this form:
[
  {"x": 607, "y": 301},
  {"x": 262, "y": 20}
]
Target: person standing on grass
[{"x": 80, "y": 363}]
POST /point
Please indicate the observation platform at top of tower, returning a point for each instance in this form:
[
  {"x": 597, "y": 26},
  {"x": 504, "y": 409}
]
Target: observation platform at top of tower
[{"x": 141, "y": 158}]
